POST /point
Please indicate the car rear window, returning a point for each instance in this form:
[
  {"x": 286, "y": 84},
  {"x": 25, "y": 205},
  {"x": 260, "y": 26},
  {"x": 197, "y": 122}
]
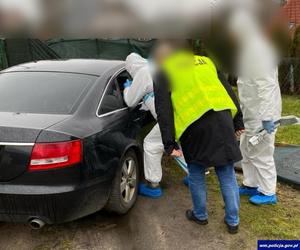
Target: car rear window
[{"x": 43, "y": 92}]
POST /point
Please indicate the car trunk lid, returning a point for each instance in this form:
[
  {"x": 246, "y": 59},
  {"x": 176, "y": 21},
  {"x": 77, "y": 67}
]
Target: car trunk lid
[{"x": 18, "y": 133}]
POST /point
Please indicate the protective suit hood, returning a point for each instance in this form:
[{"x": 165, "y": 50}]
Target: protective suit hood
[
  {"x": 134, "y": 63},
  {"x": 244, "y": 26}
]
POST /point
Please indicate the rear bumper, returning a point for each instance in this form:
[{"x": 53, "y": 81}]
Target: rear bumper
[{"x": 52, "y": 204}]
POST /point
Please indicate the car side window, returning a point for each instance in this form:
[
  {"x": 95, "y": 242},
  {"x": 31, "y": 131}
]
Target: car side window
[
  {"x": 112, "y": 99},
  {"x": 121, "y": 79}
]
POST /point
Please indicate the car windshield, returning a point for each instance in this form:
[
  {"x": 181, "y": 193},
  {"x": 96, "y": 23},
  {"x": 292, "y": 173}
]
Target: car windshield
[{"x": 43, "y": 92}]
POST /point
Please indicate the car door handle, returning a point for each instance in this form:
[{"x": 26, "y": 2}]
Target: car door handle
[{"x": 137, "y": 119}]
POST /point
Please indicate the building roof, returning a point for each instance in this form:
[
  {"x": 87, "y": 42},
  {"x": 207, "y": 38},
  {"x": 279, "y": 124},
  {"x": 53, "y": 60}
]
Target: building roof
[{"x": 292, "y": 11}]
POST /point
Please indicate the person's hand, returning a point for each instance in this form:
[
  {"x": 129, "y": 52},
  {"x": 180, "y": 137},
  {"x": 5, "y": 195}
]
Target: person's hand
[
  {"x": 269, "y": 126},
  {"x": 238, "y": 133},
  {"x": 177, "y": 153},
  {"x": 127, "y": 84}
]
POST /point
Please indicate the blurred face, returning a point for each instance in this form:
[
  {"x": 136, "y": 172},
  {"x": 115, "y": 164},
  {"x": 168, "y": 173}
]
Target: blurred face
[{"x": 162, "y": 52}]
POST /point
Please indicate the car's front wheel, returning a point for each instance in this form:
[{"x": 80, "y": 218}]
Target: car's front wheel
[{"x": 125, "y": 185}]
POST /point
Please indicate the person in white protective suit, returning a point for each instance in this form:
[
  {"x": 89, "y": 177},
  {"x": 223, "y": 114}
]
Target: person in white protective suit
[
  {"x": 260, "y": 100},
  {"x": 141, "y": 88}
]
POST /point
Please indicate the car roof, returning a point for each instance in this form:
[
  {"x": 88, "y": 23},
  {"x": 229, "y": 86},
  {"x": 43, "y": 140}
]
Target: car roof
[{"x": 82, "y": 66}]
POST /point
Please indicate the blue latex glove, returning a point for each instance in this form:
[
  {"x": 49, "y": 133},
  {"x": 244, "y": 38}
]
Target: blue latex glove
[
  {"x": 269, "y": 126},
  {"x": 127, "y": 84}
]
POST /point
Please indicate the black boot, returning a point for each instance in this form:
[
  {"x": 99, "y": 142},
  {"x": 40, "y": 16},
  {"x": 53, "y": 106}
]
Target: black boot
[
  {"x": 232, "y": 229},
  {"x": 190, "y": 216}
]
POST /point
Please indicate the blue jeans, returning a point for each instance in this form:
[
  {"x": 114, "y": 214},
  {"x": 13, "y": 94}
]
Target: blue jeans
[{"x": 229, "y": 188}]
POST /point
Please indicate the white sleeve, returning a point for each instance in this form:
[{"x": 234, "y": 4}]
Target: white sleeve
[
  {"x": 267, "y": 91},
  {"x": 137, "y": 90},
  {"x": 265, "y": 72}
]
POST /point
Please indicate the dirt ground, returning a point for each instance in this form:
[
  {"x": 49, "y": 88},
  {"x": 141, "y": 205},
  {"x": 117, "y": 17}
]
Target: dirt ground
[{"x": 151, "y": 224}]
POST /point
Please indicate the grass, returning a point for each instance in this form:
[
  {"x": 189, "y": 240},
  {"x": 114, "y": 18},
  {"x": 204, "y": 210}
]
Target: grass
[
  {"x": 279, "y": 221},
  {"x": 289, "y": 134}
]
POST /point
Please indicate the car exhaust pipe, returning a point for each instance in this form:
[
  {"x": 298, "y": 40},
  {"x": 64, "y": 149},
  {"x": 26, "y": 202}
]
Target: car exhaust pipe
[{"x": 36, "y": 223}]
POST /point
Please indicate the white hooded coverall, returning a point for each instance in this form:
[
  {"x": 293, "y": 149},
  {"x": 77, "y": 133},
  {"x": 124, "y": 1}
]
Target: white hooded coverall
[
  {"x": 260, "y": 99},
  {"x": 142, "y": 89}
]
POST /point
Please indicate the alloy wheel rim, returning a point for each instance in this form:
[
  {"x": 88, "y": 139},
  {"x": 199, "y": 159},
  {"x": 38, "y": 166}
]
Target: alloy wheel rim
[{"x": 128, "y": 180}]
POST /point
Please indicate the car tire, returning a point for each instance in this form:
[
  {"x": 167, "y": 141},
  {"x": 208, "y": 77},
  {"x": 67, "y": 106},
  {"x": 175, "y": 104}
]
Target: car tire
[{"x": 125, "y": 185}]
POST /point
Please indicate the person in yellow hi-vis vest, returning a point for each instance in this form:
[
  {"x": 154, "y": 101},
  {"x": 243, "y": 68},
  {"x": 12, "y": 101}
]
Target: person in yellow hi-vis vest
[{"x": 202, "y": 113}]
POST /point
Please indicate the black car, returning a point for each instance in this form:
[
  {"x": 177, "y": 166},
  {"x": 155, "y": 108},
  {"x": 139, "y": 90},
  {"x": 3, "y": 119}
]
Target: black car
[{"x": 69, "y": 145}]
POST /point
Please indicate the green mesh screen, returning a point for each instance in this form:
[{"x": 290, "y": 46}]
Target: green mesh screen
[
  {"x": 17, "y": 51},
  {"x": 3, "y": 60},
  {"x": 117, "y": 49}
]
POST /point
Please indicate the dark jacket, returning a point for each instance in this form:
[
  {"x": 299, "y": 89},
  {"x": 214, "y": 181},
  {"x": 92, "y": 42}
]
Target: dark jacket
[{"x": 209, "y": 141}]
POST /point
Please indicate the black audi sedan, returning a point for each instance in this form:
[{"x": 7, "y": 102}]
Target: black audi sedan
[{"x": 69, "y": 145}]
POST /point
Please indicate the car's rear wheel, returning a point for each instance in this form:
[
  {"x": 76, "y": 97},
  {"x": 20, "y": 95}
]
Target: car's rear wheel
[{"x": 125, "y": 185}]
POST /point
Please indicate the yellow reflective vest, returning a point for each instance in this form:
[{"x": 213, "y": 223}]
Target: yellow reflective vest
[{"x": 195, "y": 89}]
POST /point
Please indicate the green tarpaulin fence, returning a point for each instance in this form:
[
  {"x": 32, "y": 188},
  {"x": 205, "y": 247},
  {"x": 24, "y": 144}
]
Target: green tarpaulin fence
[
  {"x": 17, "y": 51},
  {"x": 117, "y": 49},
  {"x": 3, "y": 59}
]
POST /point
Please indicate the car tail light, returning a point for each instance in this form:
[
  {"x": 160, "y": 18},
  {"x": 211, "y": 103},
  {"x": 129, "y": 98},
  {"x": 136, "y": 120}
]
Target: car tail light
[{"x": 46, "y": 156}]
